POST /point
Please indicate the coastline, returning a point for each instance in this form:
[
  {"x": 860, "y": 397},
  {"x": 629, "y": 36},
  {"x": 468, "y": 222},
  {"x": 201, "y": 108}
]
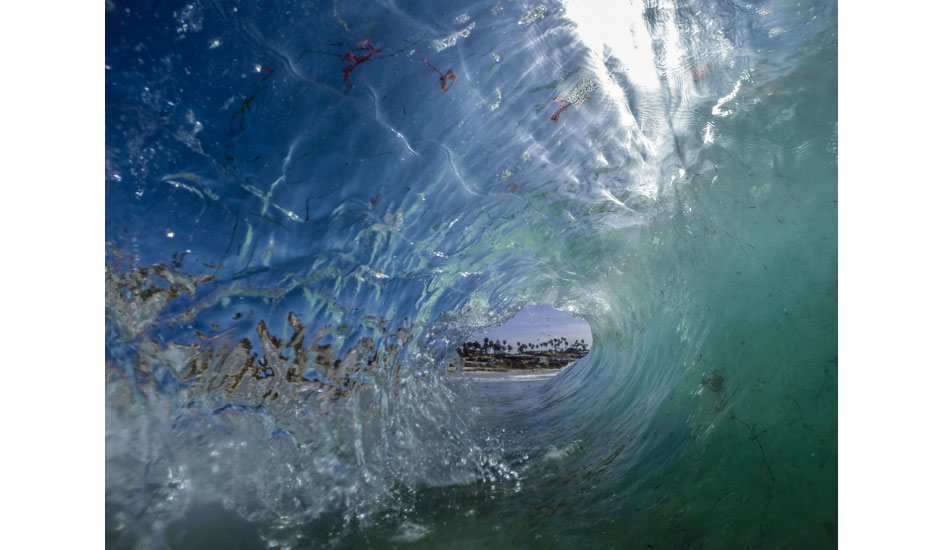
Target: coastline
[
  {"x": 517, "y": 363},
  {"x": 488, "y": 373},
  {"x": 499, "y": 376}
]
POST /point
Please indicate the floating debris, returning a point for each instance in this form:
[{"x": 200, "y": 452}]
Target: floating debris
[
  {"x": 443, "y": 78},
  {"x": 714, "y": 382},
  {"x": 533, "y": 14},
  {"x": 363, "y": 45},
  {"x": 578, "y": 94}
]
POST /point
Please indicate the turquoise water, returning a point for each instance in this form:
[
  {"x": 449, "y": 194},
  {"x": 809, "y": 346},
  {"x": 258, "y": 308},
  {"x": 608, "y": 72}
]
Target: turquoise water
[{"x": 293, "y": 257}]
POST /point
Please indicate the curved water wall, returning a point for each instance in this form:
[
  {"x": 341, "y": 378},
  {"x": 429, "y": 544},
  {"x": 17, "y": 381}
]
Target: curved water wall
[{"x": 310, "y": 205}]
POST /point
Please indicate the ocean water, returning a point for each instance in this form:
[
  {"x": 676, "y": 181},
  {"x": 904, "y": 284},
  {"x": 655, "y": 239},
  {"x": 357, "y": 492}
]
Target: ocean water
[{"x": 310, "y": 205}]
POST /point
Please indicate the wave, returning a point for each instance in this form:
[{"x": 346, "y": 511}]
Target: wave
[{"x": 293, "y": 257}]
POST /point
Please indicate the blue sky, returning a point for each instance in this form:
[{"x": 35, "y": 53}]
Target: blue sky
[{"x": 539, "y": 323}]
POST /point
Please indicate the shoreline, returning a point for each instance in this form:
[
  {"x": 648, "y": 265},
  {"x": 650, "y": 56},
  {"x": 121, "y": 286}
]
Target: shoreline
[
  {"x": 516, "y": 372},
  {"x": 501, "y": 376},
  {"x": 517, "y": 363},
  {"x": 506, "y": 371}
]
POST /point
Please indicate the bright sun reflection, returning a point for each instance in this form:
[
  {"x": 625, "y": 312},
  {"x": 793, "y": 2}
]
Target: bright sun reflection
[
  {"x": 623, "y": 36},
  {"x": 631, "y": 75}
]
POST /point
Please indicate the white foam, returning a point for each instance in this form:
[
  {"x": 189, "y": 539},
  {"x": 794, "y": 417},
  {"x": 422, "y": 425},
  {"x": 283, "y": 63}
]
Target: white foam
[{"x": 410, "y": 532}]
